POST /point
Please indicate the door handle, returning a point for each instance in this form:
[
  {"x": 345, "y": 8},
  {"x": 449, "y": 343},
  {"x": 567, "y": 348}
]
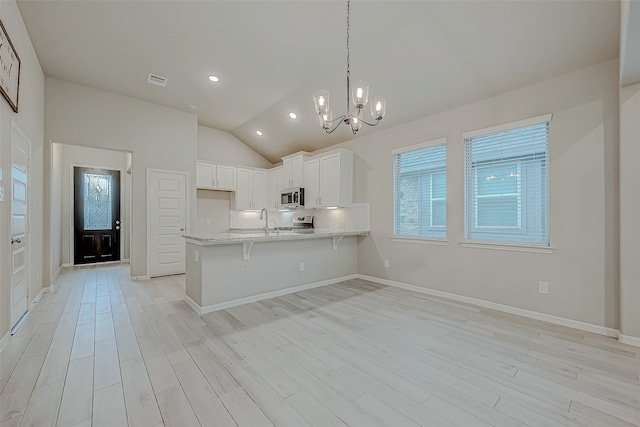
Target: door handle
[{"x": 18, "y": 240}]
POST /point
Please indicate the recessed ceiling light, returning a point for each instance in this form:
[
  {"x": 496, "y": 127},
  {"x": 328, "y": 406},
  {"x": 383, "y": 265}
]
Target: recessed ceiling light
[
  {"x": 293, "y": 115},
  {"x": 259, "y": 132},
  {"x": 213, "y": 78}
]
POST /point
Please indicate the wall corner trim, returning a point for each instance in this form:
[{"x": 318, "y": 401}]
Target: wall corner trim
[
  {"x": 4, "y": 340},
  {"x": 54, "y": 276},
  {"x": 628, "y": 339},
  {"x": 570, "y": 323}
]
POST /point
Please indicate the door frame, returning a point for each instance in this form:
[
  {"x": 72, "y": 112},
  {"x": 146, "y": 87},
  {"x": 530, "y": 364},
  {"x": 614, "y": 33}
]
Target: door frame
[
  {"x": 72, "y": 207},
  {"x": 186, "y": 210},
  {"x": 14, "y": 126}
]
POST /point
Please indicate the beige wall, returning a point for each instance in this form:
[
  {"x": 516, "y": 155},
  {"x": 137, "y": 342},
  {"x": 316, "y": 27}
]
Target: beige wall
[
  {"x": 630, "y": 211},
  {"x": 158, "y": 137},
  {"x": 30, "y": 120},
  {"x": 583, "y": 270},
  {"x": 222, "y": 147}
]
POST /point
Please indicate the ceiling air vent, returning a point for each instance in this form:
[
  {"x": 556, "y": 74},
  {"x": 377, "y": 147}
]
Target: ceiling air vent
[{"x": 154, "y": 79}]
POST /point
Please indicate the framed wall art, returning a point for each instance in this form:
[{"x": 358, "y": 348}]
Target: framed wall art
[{"x": 9, "y": 69}]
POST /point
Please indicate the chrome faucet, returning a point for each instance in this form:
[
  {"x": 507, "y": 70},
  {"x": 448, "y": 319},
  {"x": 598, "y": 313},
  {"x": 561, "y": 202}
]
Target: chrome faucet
[{"x": 266, "y": 220}]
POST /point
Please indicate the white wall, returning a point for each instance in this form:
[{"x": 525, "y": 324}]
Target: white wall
[
  {"x": 157, "y": 136},
  {"x": 55, "y": 203},
  {"x": 222, "y": 147},
  {"x": 630, "y": 211},
  {"x": 583, "y": 271},
  {"x": 30, "y": 119},
  {"x": 92, "y": 157},
  {"x": 213, "y": 208}
]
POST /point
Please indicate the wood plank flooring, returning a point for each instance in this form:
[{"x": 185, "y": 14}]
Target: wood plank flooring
[{"x": 104, "y": 351}]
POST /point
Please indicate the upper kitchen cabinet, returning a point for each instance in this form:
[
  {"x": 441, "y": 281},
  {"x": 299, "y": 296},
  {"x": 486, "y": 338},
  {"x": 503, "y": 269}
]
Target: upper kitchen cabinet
[
  {"x": 274, "y": 188},
  {"x": 251, "y": 192},
  {"x": 210, "y": 176},
  {"x": 292, "y": 171},
  {"x": 329, "y": 179}
]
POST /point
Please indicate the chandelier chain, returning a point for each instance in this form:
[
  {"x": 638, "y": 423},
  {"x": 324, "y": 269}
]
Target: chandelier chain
[{"x": 348, "y": 64}]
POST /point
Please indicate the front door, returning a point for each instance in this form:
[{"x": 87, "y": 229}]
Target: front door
[
  {"x": 97, "y": 215},
  {"x": 167, "y": 218},
  {"x": 19, "y": 224}
]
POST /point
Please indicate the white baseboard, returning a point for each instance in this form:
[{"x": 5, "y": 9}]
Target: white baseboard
[
  {"x": 55, "y": 275},
  {"x": 575, "y": 324},
  {"x": 138, "y": 278},
  {"x": 628, "y": 339},
  {"x": 266, "y": 295},
  {"x": 39, "y": 296},
  {"x": 4, "y": 340},
  {"x": 65, "y": 265}
]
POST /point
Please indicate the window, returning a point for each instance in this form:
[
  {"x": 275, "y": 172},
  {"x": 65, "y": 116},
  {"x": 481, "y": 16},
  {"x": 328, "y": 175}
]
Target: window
[
  {"x": 507, "y": 183},
  {"x": 420, "y": 190}
]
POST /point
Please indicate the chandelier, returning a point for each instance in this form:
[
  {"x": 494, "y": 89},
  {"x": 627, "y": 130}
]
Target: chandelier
[{"x": 358, "y": 93}]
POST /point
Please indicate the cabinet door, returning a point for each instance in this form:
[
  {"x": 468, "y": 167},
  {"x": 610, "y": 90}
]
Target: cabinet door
[
  {"x": 243, "y": 189},
  {"x": 204, "y": 175},
  {"x": 330, "y": 185},
  {"x": 287, "y": 171},
  {"x": 311, "y": 183},
  {"x": 274, "y": 189},
  {"x": 225, "y": 177},
  {"x": 297, "y": 171},
  {"x": 259, "y": 190}
]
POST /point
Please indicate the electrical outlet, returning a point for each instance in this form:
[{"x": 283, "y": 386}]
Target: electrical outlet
[
  {"x": 543, "y": 287},
  {"x": 1, "y": 194},
  {"x": 386, "y": 263},
  {"x": 302, "y": 266},
  {"x": 208, "y": 220},
  {"x": 196, "y": 255}
]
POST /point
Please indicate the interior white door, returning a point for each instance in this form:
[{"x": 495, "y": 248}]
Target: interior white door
[
  {"x": 20, "y": 147},
  {"x": 167, "y": 212}
]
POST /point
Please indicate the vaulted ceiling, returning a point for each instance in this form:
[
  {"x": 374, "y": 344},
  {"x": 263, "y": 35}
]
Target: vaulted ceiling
[{"x": 270, "y": 56}]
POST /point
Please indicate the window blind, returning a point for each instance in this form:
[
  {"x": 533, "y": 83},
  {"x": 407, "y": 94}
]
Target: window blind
[
  {"x": 420, "y": 192},
  {"x": 507, "y": 185}
]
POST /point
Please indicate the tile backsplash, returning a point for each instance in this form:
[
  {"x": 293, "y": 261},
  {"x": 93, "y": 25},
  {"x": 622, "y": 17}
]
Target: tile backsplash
[{"x": 355, "y": 217}]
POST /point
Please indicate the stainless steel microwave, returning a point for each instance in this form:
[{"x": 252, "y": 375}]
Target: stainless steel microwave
[{"x": 292, "y": 198}]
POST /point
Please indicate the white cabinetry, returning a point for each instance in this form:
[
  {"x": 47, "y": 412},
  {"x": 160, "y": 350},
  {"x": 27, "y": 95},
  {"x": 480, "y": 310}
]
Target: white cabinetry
[
  {"x": 329, "y": 179},
  {"x": 274, "y": 188},
  {"x": 215, "y": 177},
  {"x": 312, "y": 183},
  {"x": 251, "y": 192},
  {"x": 292, "y": 171}
]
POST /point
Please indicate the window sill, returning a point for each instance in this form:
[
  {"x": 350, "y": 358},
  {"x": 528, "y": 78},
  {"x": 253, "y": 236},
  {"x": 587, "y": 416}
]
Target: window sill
[
  {"x": 420, "y": 240},
  {"x": 505, "y": 246}
]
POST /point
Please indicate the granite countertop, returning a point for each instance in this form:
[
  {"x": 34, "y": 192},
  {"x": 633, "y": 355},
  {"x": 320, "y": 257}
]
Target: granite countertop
[{"x": 241, "y": 237}]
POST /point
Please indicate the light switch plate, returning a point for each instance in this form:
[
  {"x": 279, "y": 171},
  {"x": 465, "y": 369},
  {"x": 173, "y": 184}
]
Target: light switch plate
[{"x": 1, "y": 194}]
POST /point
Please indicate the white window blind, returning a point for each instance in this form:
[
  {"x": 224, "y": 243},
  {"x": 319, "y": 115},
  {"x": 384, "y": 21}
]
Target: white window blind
[
  {"x": 507, "y": 184},
  {"x": 420, "y": 191}
]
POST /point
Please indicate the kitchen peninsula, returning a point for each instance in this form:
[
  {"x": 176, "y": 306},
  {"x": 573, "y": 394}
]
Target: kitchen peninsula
[{"x": 229, "y": 269}]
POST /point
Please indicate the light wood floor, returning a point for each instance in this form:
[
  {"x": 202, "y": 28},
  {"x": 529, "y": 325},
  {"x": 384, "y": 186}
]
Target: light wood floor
[{"x": 104, "y": 351}]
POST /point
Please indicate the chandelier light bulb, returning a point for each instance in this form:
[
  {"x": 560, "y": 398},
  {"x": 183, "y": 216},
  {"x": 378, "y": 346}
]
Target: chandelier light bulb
[
  {"x": 321, "y": 100},
  {"x": 378, "y": 107}
]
